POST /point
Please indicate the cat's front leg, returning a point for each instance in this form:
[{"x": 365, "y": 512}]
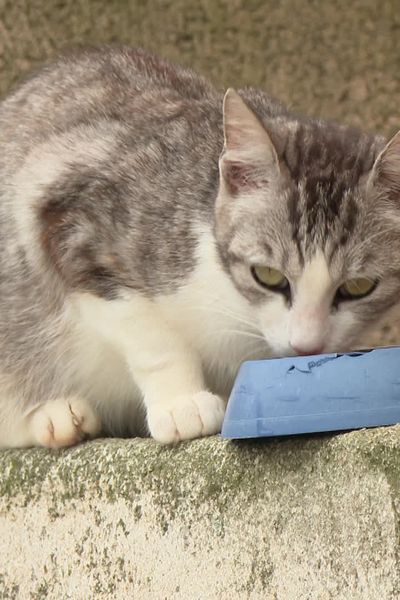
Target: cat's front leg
[
  {"x": 169, "y": 374},
  {"x": 165, "y": 367},
  {"x": 185, "y": 417},
  {"x": 52, "y": 424},
  {"x": 62, "y": 422}
]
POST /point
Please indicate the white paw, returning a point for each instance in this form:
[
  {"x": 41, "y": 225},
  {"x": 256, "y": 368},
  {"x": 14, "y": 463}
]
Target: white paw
[
  {"x": 188, "y": 417},
  {"x": 63, "y": 422}
]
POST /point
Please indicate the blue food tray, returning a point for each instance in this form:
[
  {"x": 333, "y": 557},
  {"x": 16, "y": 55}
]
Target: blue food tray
[{"x": 309, "y": 394}]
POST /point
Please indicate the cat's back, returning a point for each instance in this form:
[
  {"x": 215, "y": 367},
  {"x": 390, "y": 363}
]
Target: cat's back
[{"x": 105, "y": 84}]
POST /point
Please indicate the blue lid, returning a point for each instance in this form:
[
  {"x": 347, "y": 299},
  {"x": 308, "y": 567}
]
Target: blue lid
[{"x": 307, "y": 394}]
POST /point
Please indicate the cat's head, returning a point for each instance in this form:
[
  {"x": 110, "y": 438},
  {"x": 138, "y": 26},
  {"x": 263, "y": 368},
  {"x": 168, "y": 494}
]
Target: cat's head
[{"x": 308, "y": 226}]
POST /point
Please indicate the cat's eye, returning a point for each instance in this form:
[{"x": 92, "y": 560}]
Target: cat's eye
[
  {"x": 269, "y": 277},
  {"x": 356, "y": 288}
]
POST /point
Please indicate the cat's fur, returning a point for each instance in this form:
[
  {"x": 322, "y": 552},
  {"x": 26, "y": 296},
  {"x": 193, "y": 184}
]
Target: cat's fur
[{"x": 125, "y": 259}]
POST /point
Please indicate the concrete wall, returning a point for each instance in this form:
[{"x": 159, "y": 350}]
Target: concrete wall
[{"x": 301, "y": 519}]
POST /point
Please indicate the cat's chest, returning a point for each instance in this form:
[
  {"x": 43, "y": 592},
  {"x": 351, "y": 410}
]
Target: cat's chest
[
  {"x": 102, "y": 370},
  {"x": 212, "y": 316},
  {"x": 205, "y": 316}
]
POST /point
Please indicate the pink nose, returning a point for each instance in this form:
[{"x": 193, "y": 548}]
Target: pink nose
[{"x": 307, "y": 351}]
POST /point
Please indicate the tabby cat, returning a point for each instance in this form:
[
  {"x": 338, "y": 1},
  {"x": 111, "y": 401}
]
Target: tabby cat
[{"x": 156, "y": 233}]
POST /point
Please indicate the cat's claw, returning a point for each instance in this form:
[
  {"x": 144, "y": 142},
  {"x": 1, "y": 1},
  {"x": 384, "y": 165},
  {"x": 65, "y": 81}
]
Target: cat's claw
[
  {"x": 189, "y": 417},
  {"x": 63, "y": 422}
]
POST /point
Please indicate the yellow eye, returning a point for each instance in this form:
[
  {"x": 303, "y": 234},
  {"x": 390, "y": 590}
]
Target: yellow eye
[
  {"x": 270, "y": 277},
  {"x": 357, "y": 288}
]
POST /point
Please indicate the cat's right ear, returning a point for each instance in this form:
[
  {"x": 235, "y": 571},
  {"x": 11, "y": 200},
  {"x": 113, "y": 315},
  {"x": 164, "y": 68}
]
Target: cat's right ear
[
  {"x": 385, "y": 174},
  {"x": 249, "y": 160}
]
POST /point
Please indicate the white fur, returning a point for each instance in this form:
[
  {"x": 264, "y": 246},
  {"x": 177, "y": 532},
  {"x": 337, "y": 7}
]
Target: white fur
[
  {"x": 309, "y": 325},
  {"x": 168, "y": 351},
  {"x": 63, "y": 422},
  {"x": 56, "y": 423}
]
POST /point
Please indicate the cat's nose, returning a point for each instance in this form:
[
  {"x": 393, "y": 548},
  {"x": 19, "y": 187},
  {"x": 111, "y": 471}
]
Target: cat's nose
[{"x": 307, "y": 350}]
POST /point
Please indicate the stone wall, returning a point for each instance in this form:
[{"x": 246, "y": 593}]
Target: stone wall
[{"x": 300, "y": 519}]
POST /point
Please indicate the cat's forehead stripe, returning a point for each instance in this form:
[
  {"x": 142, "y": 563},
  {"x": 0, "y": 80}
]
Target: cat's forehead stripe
[
  {"x": 316, "y": 148},
  {"x": 321, "y": 210}
]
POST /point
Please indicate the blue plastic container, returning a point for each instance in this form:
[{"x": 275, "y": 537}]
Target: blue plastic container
[{"x": 309, "y": 394}]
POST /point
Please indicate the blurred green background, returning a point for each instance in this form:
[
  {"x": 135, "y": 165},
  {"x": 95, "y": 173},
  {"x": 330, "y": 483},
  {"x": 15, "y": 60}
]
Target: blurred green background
[{"x": 337, "y": 58}]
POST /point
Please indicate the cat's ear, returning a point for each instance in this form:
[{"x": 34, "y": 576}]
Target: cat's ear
[
  {"x": 385, "y": 173},
  {"x": 249, "y": 160}
]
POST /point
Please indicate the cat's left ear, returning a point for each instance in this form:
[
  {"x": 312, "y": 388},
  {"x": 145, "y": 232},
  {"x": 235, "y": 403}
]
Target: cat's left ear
[
  {"x": 385, "y": 173},
  {"x": 249, "y": 160}
]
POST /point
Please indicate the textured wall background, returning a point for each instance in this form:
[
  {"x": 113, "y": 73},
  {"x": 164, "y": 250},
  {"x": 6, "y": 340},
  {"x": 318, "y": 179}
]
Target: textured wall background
[
  {"x": 331, "y": 58},
  {"x": 334, "y": 58}
]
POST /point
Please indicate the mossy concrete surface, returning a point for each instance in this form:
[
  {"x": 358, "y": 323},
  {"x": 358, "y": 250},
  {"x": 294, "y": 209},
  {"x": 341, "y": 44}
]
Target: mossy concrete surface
[{"x": 299, "y": 519}]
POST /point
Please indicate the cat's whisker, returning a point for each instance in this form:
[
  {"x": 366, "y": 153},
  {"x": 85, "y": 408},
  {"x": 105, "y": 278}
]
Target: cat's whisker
[
  {"x": 227, "y": 313},
  {"x": 237, "y": 332},
  {"x": 255, "y": 352}
]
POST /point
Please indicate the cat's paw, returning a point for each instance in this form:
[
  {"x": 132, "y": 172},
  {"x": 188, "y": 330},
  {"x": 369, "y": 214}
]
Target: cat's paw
[
  {"x": 189, "y": 417},
  {"x": 63, "y": 422}
]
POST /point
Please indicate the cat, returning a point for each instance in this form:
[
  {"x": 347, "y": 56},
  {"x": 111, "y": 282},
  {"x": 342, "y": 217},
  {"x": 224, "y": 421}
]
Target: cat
[{"x": 156, "y": 233}]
